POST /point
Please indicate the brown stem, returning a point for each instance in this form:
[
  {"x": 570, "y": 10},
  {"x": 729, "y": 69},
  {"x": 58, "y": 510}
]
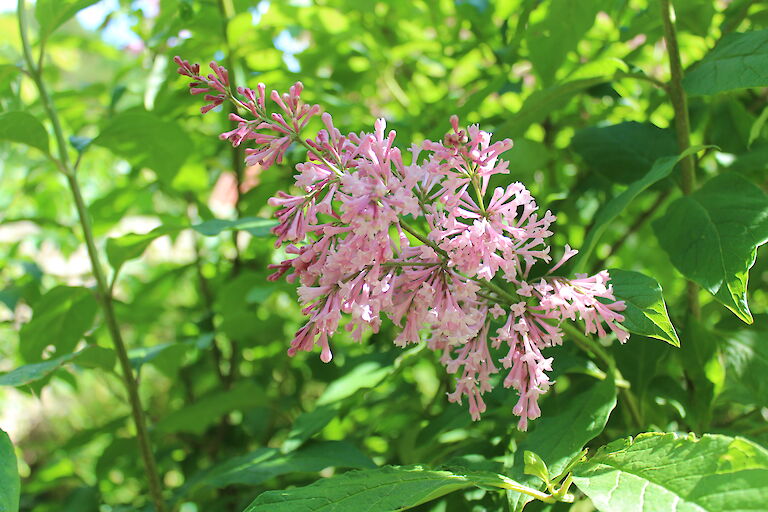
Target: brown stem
[{"x": 682, "y": 127}]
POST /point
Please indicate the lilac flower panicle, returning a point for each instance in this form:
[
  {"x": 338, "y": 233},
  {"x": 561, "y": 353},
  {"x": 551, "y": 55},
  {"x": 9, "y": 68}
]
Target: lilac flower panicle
[{"x": 436, "y": 275}]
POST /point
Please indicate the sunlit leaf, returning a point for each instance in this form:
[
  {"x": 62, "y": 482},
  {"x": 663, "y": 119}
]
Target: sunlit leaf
[
  {"x": 23, "y": 128},
  {"x": 10, "y": 485},
  {"x": 656, "y": 471}
]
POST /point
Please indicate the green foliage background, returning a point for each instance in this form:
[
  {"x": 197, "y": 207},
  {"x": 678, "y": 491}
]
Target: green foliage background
[{"x": 580, "y": 86}]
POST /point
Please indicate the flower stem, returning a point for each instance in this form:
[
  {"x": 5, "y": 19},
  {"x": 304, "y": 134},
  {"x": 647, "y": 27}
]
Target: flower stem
[
  {"x": 682, "y": 127},
  {"x": 103, "y": 289}
]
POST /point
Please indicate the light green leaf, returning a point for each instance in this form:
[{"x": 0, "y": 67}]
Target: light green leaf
[
  {"x": 646, "y": 311},
  {"x": 558, "y": 436},
  {"x": 254, "y": 225},
  {"x": 365, "y": 375},
  {"x": 657, "y": 471},
  {"x": 10, "y": 484},
  {"x": 61, "y": 318},
  {"x": 145, "y": 140},
  {"x": 739, "y": 61},
  {"x": 266, "y": 463},
  {"x": 538, "y": 105},
  {"x": 712, "y": 236},
  {"x": 552, "y": 38},
  {"x": 51, "y": 14},
  {"x": 23, "y": 128},
  {"x": 388, "y": 488},
  {"x": 92, "y": 357},
  {"x": 132, "y": 246},
  {"x": 625, "y": 152}
]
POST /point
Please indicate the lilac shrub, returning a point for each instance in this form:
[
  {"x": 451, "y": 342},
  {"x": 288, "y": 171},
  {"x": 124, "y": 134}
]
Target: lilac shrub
[{"x": 369, "y": 236}]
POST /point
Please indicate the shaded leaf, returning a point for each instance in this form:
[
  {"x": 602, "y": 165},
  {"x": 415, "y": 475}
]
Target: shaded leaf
[
  {"x": 712, "y": 236},
  {"x": 657, "y": 471},
  {"x": 91, "y": 357},
  {"x": 254, "y": 225},
  {"x": 746, "y": 361}
]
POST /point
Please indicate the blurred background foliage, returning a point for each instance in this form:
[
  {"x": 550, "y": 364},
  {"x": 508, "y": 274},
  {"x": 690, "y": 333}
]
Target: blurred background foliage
[{"x": 231, "y": 415}]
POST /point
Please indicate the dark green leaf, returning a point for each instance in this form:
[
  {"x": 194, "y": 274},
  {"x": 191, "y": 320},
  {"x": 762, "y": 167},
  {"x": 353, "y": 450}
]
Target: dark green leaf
[
  {"x": 51, "y": 14},
  {"x": 559, "y": 436},
  {"x": 739, "y": 61},
  {"x": 10, "y": 485},
  {"x": 61, "y": 318},
  {"x": 646, "y": 311},
  {"x": 712, "y": 236},
  {"x": 656, "y": 471},
  {"x": 23, "y": 128},
  {"x": 385, "y": 489},
  {"x": 625, "y": 152},
  {"x": 746, "y": 361},
  {"x": 145, "y": 140},
  {"x": 266, "y": 463},
  {"x": 308, "y": 424}
]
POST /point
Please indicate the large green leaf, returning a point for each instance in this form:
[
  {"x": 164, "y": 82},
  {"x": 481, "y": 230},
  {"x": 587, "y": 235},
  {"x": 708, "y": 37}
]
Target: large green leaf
[
  {"x": 625, "y": 152},
  {"x": 559, "y": 436},
  {"x": 10, "y": 484},
  {"x": 712, "y": 236},
  {"x": 646, "y": 311},
  {"x": 740, "y": 60},
  {"x": 704, "y": 371},
  {"x": 256, "y": 226},
  {"x": 23, "y": 128},
  {"x": 552, "y": 38},
  {"x": 51, "y": 14},
  {"x": 657, "y": 471},
  {"x": 92, "y": 357},
  {"x": 61, "y": 318},
  {"x": 145, "y": 140},
  {"x": 266, "y": 463},
  {"x": 385, "y": 489}
]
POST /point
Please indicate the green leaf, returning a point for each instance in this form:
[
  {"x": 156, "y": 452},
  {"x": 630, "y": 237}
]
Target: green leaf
[
  {"x": 256, "y": 226},
  {"x": 91, "y": 357},
  {"x": 739, "y": 61},
  {"x": 558, "y": 436},
  {"x": 61, "y": 318},
  {"x": 552, "y": 38},
  {"x": 646, "y": 311},
  {"x": 308, "y": 424},
  {"x": 538, "y": 105},
  {"x": 705, "y": 374},
  {"x": 51, "y": 14},
  {"x": 388, "y": 488},
  {"x": 365, "y": 375},
  {"x": 658, "y": 471},
  {"x": 535, "y": 466},
  {"x": 196, "y": 418},
  {"x": 746, "y": 361},
  {"x": 266, "y": 463},
  {"x": 625, "y": 152},
  {"x": 712, "y": 236},
  {"x": 10, "y": 483},
  {"x": 145, "y": 140},
  {"x": 660, "y": 170},
  {"x": 23, "y": 128},
  {"x": 132, "y": 246}
]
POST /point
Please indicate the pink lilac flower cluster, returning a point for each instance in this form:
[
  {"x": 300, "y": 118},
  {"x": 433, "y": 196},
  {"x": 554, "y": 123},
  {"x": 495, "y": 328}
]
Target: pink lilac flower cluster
[{"x": 425, "y": 244}]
